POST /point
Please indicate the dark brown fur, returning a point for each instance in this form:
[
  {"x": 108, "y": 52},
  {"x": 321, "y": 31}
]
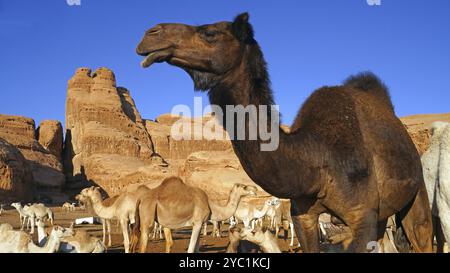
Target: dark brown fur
[{"x": 348, "y": 154}]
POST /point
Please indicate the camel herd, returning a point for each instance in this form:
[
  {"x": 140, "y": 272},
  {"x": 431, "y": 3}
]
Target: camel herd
[
  {"x": 145, "y": 213},
  {"x": 172, "y": 205}
]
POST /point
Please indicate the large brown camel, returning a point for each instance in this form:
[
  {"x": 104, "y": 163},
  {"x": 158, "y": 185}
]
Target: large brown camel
[
  {"x": 347, "y": 152},
  {"x": 174, "y": 205}
]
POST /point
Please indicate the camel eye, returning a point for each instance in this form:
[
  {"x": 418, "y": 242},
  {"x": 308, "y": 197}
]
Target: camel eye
[{"x": 210, "y": 35}]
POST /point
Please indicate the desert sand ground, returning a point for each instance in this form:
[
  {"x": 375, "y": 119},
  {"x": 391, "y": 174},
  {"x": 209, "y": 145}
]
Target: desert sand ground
[{"x": 181, "y": 237}]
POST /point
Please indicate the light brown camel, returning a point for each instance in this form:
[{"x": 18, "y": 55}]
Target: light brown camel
[
  {"x": 347, "y": 152},
  {"x": 106, "y": 223},
  {"x": 174, "y": 205},
  {"x": 123, "y": 209}
]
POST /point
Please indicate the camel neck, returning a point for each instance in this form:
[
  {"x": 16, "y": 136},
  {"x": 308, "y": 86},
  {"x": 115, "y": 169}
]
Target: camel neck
[
  {"x": 249, "y": 85},
  {"x": 52, "y": 244},
  {"x": 222, "y": 213},
  {"x": 100, "y": 209}
]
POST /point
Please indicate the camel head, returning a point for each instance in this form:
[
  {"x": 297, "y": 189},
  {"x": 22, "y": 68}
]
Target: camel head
[
  {"x": 275, "y": 201},
  {"x": 243, "y": 190},
  {"x": 92, "y": 192},
  {"x": 16, "y": 205},
  {"x": 256, "y": 235},
  {"x": 207, "y": 52},
  {"x": 80, "y": 198},
  {"x": 60, "y": 232}
]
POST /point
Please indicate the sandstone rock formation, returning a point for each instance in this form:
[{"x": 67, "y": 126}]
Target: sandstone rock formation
[
  {"x": 177, "y": 144},
  {"x": 107, "y": 142},
  {"x": 47, "y": 170},
  {"x": 16, "y": 181},
  {"x": 418, "y": 127},
  {"x": 50, "y": 136}
]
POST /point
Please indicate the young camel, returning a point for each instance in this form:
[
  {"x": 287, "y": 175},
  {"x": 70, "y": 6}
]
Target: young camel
[
  {"x": 106, "y": 223},
  {"x": 12, "y": 241},
  {"x": 259, "y": 236},
  {"x": 248, "y": 213},
  {"x": 32, "y": 213},
  {"x": 68, "y": 206},
  {"x": 123, "y": 209},
  {"x": 22, "y": 214},
  {"x": 175, "y": 205},
  {"x": 273, "y": 212}
]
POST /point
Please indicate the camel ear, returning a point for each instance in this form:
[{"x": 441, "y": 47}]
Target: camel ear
[{"x": 242, "y": 29}]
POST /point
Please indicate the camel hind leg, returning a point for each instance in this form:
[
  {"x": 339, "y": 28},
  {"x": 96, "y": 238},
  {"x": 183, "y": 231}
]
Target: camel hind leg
[
  {"x": 169, "y": 240},
  {"x": 416, "y": 222}
]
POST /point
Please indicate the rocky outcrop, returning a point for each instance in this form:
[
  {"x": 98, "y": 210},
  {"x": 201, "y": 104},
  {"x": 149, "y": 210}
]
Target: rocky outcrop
[
  {"x": 107, "y": 142},
  {"x": 176, "y": 144},
  {"x": 16, "y": 181},
  {"x": 216, "y": 173},
  {"x": 50, "y": 136},
  {"x": 419, "y": 126},
  {"x": 46, "y": 169}
]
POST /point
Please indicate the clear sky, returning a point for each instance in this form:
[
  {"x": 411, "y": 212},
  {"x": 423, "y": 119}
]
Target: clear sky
[{"x": 307, "y": 44}]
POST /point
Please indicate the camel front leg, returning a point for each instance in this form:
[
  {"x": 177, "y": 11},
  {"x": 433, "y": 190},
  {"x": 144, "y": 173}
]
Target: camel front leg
[
  {"x": 291, "y": 227},
  {"x": 104, "y": 231},
  {"x": 33, "y": 221},
  {"x": 246, "y": 222},
  {"x": 126, "y": 238},
  {"x": 194, "y": 242},
  {"x": 205, "y": 229},
  {"x": 364, "y": 226},
  {"x": 305, "y": 221},
  {"x": 22, "y": 220},
  {"x": 108, "y": 228},
  {"x": 160, "y": 232}
]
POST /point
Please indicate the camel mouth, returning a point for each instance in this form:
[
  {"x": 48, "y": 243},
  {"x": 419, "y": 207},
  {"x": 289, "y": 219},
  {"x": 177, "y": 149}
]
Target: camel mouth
[{"x": 156, "y": 56}]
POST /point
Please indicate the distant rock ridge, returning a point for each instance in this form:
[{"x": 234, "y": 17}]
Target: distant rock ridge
[{"x": 46, "y": 167}]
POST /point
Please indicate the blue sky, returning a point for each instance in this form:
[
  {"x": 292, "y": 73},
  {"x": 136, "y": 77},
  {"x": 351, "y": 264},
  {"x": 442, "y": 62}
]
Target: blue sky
[{"x": 307, "y": 44}]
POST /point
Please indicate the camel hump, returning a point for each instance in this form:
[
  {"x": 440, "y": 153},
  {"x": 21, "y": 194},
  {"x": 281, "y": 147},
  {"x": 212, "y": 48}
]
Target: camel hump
[
  {"x": 369, "y": 82},
  {"x": 172, "y": 184}
]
